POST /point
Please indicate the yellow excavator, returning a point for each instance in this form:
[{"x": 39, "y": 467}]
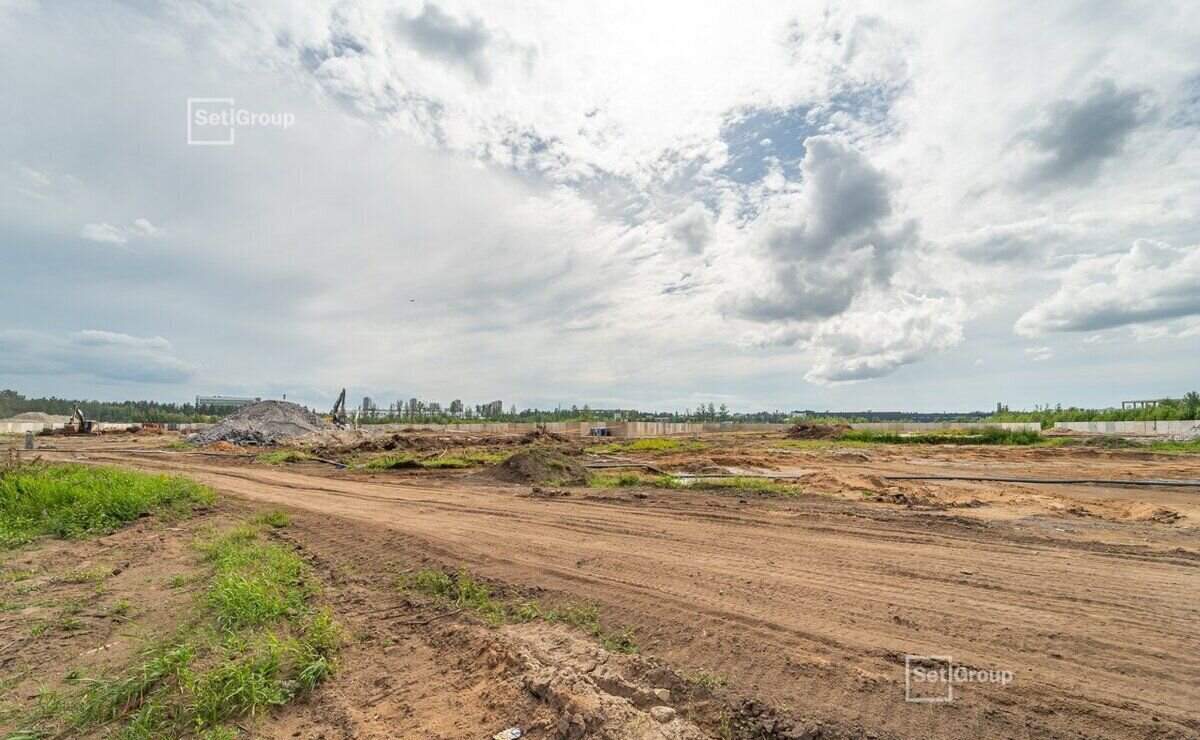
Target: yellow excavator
[{"x": 78, "y": 423}]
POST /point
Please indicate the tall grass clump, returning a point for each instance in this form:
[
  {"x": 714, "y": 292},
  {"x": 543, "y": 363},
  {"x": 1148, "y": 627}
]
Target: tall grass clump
[{"x": 76, "y": 501}]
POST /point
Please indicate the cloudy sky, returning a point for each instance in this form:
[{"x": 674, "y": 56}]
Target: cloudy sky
[{"x": 769, "y": 205}]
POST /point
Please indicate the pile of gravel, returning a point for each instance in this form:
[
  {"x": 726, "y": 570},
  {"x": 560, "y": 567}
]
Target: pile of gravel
[{"x": 262, "y": 423}]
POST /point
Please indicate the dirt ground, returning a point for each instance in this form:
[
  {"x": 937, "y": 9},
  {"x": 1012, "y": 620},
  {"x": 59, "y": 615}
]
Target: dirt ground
[{"x": 755, "y": 616}]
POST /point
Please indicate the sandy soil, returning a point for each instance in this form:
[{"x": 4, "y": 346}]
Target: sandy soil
[{"x": 805, "y": 608}]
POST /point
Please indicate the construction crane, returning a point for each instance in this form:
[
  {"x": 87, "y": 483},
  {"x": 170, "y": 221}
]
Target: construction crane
[{"x": 339, "y": 409}]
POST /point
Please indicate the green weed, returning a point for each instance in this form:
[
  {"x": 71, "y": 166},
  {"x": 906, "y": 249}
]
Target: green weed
[{"x": 706, "y": 680}]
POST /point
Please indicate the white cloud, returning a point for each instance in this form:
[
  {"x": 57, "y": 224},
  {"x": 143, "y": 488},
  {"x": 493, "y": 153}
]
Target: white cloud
[
  {"x": 107, "y": 233},
  {"x": 874, "y": 343},
  {"x": 1039, "y": 354},
  {"x": 693, "y": 228},
  {"x": 104, "y": 232},
  {"x": 1152, "y": 282},
  {"x": 93, "y": 354},
  {"x": 143, "y": 227}
]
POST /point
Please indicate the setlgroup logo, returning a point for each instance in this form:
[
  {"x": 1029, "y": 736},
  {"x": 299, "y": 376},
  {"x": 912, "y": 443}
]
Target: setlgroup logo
[
  {"x": 930, "y": 679},
  {"x": 214, "y": 121}
]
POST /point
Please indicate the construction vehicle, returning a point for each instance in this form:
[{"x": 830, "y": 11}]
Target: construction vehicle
[
  {"x": 78, "y": 423},
  {"x": 338, "y": 415}
]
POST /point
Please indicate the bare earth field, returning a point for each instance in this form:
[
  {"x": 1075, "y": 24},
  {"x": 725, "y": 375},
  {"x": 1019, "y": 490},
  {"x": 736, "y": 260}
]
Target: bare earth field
[{"x": 761, "y": 616}]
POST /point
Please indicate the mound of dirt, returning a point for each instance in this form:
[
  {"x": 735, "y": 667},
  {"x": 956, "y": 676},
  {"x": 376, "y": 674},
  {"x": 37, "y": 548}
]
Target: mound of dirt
[
  {"x": 541, "y": 434},
  {"x": 539, "y": 465},
  {"x": 262, "y": 423},
  {"x": 817, "y": 431},
  {"x": 845, "y": 481}
]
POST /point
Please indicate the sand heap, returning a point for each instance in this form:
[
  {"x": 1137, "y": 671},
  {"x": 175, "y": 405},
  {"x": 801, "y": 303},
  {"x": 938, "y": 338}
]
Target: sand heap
[
  {"x": 817, "y": 431},
  {"x": 41, "y": 417},
  {"x": 262, "y": 423}
]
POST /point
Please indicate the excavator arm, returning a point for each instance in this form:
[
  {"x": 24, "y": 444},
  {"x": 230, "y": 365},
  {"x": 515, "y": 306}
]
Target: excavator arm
[{"x": 339, "y": 409}]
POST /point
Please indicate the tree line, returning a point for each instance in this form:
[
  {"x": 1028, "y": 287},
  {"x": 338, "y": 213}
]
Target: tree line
[{"x": 1185, "y": 408}]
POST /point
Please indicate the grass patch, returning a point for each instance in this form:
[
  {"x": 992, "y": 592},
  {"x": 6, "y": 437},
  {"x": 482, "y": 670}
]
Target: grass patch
[
  {"x": 90, "y": 575},
  {"x": 979, "y": 436},
  {"x": 74, "y": 501},
  {"x": 254, "y": 583},
  {"x": 650, "y": 444},
  {"x": 461, "y": 590},
  {"x": 632, "y": 479},
  {"x": 811, "y": 444},
  {"x": 758, "y": 486},
  {"x": 283, "y": 457},
  {"x": 257, "y": 641},
  {"x": 1174, "y": 447},
  {"x": 466, "y": 459},
  {"x": 179, "y": 444},
  {"x": 276, "y": 518}
]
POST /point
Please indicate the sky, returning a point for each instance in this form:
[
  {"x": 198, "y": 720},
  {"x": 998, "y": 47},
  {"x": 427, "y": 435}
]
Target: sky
[{"x": 829, "y": 205}]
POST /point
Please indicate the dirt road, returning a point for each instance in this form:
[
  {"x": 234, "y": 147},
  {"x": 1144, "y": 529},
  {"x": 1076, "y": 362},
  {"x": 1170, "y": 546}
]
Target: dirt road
[{"x": 809, "y": 606}]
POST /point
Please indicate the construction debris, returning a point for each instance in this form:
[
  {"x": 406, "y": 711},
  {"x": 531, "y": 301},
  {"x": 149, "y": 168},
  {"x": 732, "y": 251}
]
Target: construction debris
[
  {"x": 541, "y": 434},
  {"x": 262, "y": 423}
]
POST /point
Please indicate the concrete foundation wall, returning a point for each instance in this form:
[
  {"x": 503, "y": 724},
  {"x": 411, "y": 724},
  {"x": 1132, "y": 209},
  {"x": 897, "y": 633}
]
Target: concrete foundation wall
[
  {"x": 20, "y": 427},
  {"x": 936, "y": 426},
  {"x": 1137, "y": 428},
  {"x": 637, "y": 429}
]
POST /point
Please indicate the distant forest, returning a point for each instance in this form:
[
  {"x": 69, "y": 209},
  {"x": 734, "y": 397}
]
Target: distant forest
[{"x": 13, "y": 403}]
